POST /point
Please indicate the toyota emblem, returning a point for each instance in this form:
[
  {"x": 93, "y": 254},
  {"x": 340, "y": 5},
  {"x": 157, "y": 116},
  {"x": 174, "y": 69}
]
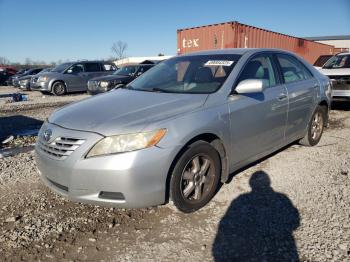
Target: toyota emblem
[{"x": 47, "y": 135}]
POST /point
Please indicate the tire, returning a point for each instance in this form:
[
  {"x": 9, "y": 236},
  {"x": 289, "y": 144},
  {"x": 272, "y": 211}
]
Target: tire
[
  {"x": 195, "y": 177},
  {"x": 59, "y": 88},
  {"x": 315, "y": 127}
]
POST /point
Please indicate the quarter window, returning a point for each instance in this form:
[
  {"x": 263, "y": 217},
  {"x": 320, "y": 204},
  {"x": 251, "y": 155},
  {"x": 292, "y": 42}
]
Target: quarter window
[
  {"x": 292, "y": 69},
  {"x": 92, "y": 67},
  {"x": 260, "y": 67},
  {"x": 109, "y": 67}
]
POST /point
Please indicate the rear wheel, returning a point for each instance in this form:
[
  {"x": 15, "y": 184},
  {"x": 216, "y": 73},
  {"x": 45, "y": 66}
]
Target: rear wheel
[
  {"x": 195, "y": 177},
  {"x": 315, "y": 127},
  {"x": 59, "y": 88}
]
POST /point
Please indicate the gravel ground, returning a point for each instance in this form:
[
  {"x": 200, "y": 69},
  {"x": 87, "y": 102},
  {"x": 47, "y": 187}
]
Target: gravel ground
[{"x": 293, "y": 205}]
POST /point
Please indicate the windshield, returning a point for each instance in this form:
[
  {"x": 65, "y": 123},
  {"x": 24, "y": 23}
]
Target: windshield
[
  {"x": 200, "y": 74},
  {"x": 126, "y": 70},
  {"x": 60, "y": 68},
  {"x": 338, "y": 61},
  {"x": 322, "y": 60}
]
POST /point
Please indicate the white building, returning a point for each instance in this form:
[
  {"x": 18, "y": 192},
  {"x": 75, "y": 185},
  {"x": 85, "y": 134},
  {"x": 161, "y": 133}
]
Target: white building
[
  {"x": 338, "y": 41},
  {"x": 134, "y": 60}
]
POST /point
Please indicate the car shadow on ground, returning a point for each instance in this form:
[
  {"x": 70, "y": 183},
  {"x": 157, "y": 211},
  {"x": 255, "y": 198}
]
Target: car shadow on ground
[
  {"x": 18, "y": 125},
  {"x": 258, "y": 226},
  {"x": 341, "y": 105}
]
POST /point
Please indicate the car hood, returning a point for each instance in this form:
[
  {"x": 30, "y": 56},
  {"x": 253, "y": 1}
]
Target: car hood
[
  {"x": 110, "y": 78},
  {"x": 124, "y": 111},
  {"x": 51, "y": 74},
  {"x": 25, "y": 77},
  {"x": 333, "y": 72}
]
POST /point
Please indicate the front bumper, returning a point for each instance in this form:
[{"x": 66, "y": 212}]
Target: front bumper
[
  {"x": 96, "y": 91},
  {"x": 339, "y": 95},
  {"x": 24, "y": 85},
  {"x": 40, "y": 86},
  {"x": 138, "y": 178}
]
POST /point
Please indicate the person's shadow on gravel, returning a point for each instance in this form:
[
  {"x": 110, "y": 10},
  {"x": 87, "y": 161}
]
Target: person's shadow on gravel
[{"x": 258, "y": 226}]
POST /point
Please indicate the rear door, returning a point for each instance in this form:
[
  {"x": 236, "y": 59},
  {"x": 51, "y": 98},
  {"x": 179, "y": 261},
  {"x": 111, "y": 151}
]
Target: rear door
[
  {"x": 302, "y": 90},
  {"x": 258, "y": 120}
]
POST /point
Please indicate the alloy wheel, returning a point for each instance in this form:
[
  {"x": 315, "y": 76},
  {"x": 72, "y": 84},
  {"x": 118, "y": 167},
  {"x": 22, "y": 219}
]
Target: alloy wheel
[
  {"x": 317, "y": 126},
  {"x": 197, "y": 178}
]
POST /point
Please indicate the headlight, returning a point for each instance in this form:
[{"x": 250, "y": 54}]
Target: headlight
[
  {"x": 43, "y": 78},
  {"x": 126, "y": 143},
  {"x": 104, "y": 84}
]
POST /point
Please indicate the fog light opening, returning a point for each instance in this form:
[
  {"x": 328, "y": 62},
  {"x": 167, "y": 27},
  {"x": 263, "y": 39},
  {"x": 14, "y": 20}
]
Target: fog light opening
[{"x": 111, "y": 195}]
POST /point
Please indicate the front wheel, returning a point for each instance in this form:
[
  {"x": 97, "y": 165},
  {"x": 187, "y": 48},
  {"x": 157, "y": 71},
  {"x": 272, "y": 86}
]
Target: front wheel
[
  {"x": 195, "y": 177},
  {"x": 59, "y": 89},
  {"x": 315, "y": 127}
]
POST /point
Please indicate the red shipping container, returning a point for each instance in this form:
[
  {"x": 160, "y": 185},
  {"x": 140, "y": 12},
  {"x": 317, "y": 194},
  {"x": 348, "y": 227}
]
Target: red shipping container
[{"x": 237, "y": 35}]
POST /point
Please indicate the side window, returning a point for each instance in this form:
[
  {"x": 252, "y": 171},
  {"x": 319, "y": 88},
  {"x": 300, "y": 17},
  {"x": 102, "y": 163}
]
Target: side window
[
  {"x": 77, "y": 68},
  {"x": 260, "y": 67},
  {"x": 109, "y": 67},
  {"x": 143, "y": 69},
  {"x": 292, "y": 69},
  {"x": 92, "y": 67}
]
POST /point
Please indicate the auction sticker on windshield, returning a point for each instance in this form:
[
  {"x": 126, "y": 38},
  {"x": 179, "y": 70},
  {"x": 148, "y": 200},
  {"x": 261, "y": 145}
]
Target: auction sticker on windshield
[{"x": 219, "y": 63}]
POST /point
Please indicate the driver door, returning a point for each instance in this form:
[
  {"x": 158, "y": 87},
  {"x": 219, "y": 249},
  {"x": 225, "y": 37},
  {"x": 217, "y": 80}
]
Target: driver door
[
  {"x": 74, "y": 77},
  {"x": 258, "y": 120}
]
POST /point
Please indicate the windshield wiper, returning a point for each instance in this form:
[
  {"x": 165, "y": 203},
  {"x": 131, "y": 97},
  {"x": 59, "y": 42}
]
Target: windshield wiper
[{"x": 160, "y": 90}]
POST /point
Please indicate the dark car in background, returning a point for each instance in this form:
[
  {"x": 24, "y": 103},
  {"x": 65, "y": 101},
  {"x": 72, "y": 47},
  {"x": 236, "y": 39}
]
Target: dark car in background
[
  {"x": 19, "y": 73},
  {"x": 72, "y": 76},
  {"x": 29, "y": 72},
  {"x": 5, "y": 73},
  {"x": 119, "y": 78}
]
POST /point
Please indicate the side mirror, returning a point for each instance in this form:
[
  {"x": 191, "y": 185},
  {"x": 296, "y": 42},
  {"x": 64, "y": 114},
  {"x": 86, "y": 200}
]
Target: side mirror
[
  {"x": 250, "y": 86},
  {"x": 69, "y": 71}
]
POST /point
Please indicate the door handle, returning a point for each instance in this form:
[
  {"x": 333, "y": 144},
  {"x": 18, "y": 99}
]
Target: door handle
[
  {"x": 316, "y": 86},
  {"x": 282, "y": 97}
]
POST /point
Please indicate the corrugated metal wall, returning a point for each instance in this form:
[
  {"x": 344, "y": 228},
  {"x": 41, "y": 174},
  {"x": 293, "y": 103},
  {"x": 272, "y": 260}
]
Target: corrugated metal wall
[{"x": 237, "y": 35}]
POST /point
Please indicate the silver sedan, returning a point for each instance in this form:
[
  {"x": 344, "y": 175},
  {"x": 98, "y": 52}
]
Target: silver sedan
[{"x": 179, "y": 130}]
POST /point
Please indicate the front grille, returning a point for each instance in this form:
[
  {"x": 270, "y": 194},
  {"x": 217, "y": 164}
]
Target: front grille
[
  {"x": 93, "y": 85},
  {"x": 34, "y": 79},
  {"x": 61, "y": 147},
  {"x": 340, "y": 82}
]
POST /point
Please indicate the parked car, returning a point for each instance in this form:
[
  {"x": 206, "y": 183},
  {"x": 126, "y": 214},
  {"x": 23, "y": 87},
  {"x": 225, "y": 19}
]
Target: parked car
[
  {"x": 338, "y": 70},
  {"x": 321, "y": 60},
  {"x": 25, "y": 81},
  {"x": 34, "y": 78},
  {"x": 29, "y": 72},
  {"x": 72, "y": 77},
  {"x": 119, "y": 78},
  {"x": 5, "y": 73},
  {"x": 180, "y": 129},
  {"x": 9, "y": 81}
]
